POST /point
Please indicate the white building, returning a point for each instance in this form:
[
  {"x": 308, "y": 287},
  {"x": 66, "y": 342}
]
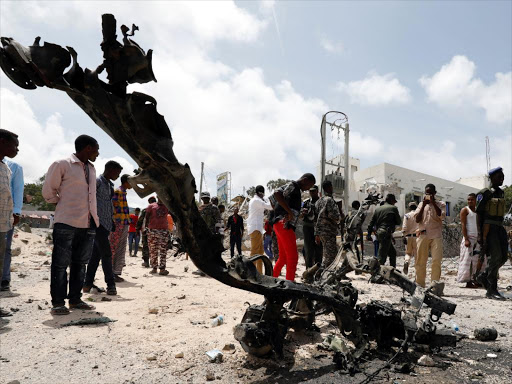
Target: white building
[
  {"x": 480, "y": 182},
  {"x": 400, "y": 181}
]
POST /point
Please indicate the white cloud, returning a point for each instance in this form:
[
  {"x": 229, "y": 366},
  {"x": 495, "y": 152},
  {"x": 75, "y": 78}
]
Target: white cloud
[
  {"x": 376, "y": 90},
  {"x": 331, "y": 46},
  {"x": 455, "y": 85},
  {"x": 42, "y": 144}
]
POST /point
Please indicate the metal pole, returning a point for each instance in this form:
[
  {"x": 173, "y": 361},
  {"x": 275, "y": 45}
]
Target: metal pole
[
  {"x": 201, "y": 182},
  {"x": 347, "y": 171},
  {"x": 322, "y": 154}
]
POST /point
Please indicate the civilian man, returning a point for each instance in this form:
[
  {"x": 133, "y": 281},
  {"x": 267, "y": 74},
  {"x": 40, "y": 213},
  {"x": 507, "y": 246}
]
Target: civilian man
[
  {"x": 255, "y": 222},
  {"x": 71, "y": 184}
]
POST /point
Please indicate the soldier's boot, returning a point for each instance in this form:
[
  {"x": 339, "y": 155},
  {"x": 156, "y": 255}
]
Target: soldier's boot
[{"x": 492, "y": 291}]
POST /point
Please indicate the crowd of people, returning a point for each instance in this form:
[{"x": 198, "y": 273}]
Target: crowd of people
[{"x": 92, "y": 223}]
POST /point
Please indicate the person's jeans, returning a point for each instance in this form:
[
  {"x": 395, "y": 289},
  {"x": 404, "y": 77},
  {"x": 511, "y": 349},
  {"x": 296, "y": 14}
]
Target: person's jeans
[
  {"x": 71, "y": 247},
  {"x": 6, "y": 274},
  {"x": 2, "y": 249},
  {"x": 267, "y": 246},
  {"x": 313, "y": 252},
  {"x": 235, "y": 240},
  {"x": 101, "y": 251},
  {"x": 133, "y": 237}
]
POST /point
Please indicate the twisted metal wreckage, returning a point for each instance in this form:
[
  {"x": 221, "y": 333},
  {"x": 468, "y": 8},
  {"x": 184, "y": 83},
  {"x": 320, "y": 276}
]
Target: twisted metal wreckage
[{"x": 132, "y": 120}]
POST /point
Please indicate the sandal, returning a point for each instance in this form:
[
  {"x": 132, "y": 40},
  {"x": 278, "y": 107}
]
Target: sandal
[
  {"x": 82, "y": 305},
  {"x": 111, "y": 291},
  {"x": 62, "y": 310},
  {"x": 164, "y": 272}
]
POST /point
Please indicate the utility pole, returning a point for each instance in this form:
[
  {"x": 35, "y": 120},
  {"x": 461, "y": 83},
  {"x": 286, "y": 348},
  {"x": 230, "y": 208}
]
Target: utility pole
[
  {"x": 487, "y": 153},
  {"x": 339, "y": 121},
  {"x": 201, "y": 182}
]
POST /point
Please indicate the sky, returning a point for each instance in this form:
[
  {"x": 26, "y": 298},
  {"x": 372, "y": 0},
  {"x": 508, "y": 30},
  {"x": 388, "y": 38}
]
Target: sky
[{"x": 243, "y": 85}]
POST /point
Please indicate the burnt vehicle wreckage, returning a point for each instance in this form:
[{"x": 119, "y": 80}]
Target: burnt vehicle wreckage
[{"x": 132, "y": 121}]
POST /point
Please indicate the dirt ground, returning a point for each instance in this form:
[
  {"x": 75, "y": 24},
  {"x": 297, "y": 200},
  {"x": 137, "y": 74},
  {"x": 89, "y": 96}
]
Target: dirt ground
[{"x": 142, "y": 347}]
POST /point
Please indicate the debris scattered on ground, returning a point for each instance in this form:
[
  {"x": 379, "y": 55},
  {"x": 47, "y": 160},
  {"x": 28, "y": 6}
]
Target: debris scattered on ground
[
  {"x": 179, "y": 355},
  {"x": 426, "y": 361},
  {"x": 181, "y": 297},
  {"x": 25, "y": 228},
  {"x": 219, "y": 320},
  {"x": 151, "y": 358},
  {"x": 215, "y": 356},
  {"x": 485, "y": 334},
  {"x": 16, "y": 251},
  {"x": 153, "y": 311},
  {"x": 210, "y": 376},
  {"x": 492, "y": 355},
  {"x": 106, "y": 299},
  {"x": 89, "y": 321}
]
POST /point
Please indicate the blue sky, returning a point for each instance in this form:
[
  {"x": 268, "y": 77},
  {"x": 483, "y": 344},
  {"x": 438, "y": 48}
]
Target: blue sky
[{"x": 243, "y": 85}]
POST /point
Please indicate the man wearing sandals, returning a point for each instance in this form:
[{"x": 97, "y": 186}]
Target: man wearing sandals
[
  {"x": 101, "y": 250},
  {"x": 8, "y": 148},
  {"x": 71, "y": 185}
]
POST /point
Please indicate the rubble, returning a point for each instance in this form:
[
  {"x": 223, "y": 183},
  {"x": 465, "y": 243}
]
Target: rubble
[{"x": 485, "y": 334}]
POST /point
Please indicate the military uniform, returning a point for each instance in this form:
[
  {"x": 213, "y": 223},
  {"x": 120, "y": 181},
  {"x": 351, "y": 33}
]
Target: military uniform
[
  {"x": 144, "y": 236},
  {"x": 312, "y": 250},
  {"x": 385, "y": 218},
  {"x": 211, "y": 215},
  {"x": 327, "y": 226},
  {"x": 354, "y": 229},
  {"x": 490, "y": 208}
]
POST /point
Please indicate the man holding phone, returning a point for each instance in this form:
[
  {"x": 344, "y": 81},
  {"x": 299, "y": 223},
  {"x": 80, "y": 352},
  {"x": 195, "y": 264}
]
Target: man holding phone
[{"x": 429, "y": 216}]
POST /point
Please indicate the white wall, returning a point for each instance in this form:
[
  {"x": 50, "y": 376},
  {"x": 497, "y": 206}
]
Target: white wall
[{"x": 389, "y": 177}]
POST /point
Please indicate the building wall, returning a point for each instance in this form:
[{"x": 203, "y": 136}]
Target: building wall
[
  {"x": 480, "y": 182},
  {"x": 400, "y": 181}
]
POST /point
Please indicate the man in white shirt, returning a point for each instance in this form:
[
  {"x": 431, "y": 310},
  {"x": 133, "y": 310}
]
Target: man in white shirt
[{"x": 257, "y": 207}]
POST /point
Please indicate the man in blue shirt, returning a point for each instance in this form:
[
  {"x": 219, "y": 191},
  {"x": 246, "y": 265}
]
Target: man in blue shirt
[{"x": 17, "y": 187}]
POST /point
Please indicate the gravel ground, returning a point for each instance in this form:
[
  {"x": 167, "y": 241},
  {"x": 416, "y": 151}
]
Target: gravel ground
[{"x": 141, "y": 347}]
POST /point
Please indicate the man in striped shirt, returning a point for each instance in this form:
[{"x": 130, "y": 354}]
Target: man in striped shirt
[{"x": 119, "y": 238}]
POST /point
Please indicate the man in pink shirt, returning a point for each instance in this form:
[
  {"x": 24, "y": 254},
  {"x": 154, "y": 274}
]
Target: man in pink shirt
[
  {"x": 429, "y": 216},
  {"x": 71, "y": 185}
]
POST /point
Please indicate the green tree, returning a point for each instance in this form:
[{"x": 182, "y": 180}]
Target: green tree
[
  {"x": 251, "y": 191},
  {"x": 34, "y": 190},
  {"x": 274, "y": 184}
]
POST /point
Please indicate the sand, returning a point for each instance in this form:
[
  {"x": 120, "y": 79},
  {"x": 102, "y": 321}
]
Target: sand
[{"x": 144, "y": 347}]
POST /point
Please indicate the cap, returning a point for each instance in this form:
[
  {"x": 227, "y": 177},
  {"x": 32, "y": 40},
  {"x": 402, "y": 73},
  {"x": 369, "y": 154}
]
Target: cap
[
  {"x": 494, "y": 170},
  {"x": 412, "y": 204},
  {"x": 314, "y": 188},
  {"x": 205, "y": 194},
  {"x": 390, "y": 196}
]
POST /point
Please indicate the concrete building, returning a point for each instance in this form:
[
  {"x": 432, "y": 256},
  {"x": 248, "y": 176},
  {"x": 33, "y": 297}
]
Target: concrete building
[
  {"x": 389, "y": 178},
  {"x": 479, "y": 182}
]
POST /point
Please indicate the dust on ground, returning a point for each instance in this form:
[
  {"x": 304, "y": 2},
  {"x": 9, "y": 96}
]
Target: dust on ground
[{"x": 142, "y": 347}]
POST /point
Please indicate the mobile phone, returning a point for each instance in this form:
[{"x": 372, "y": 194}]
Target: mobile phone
[{"x": 427, "y": 197}]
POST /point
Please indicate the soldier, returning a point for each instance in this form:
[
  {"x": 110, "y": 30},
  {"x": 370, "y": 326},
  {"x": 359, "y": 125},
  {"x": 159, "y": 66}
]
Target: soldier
[
  {"x": 384, "y": 220},
  {"x": 409, "y": 227},
  {"x": 312, "y": 251},
  {"x": 490, "y": 208},
  {"x": 354, "y": 228},
  {"x": 327, "y": 224},
  {"x": 209, "y": 212}
]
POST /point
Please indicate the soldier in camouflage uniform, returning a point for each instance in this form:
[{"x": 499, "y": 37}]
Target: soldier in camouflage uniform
[
  {"x": 144, "y": 235},
  {"x": 490, "y": 208},
  {"x": 327, "y": 224},
  {"x": 209, "y": 212}
]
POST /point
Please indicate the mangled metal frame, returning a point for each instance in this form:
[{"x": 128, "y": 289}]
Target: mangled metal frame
[{"x": 132, "y": 121}]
